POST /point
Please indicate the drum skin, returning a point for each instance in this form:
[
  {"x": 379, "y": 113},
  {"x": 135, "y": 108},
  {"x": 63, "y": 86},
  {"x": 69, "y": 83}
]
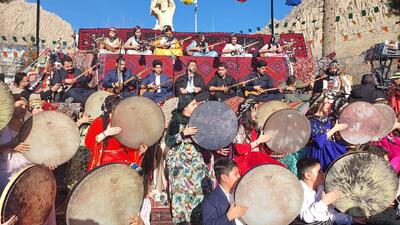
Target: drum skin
[
  {"x": 272, "y": 194},
  {"x": 363, "y": 120},
  {"x": 289, "y": 129},
  {"x": 265, "y": 110},
  {"x": 30, "y": 195},
  {"x": 167, "y": 108},
  {"x": 387, "y": 122},
  {"x": 108, "y": 195},
  {"x": 6, "y": 106},
  {"x": 94, "y": 103},
  {"x": 53, "y": 136},
  {"x": 367, "y": 183},
  {"x": 141, "y": 121},
  {"x": 216, "y": 123}
]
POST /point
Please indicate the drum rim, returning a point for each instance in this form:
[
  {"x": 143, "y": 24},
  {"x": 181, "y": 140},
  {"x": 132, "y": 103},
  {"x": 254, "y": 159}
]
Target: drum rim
[
  {"x": 7, "y": 89},
  {"x": 229, "y": 109},
  {"x": 392, "y": 112},
  {"x": 271, "y": 102},
  {"x": 80, "y": 181},
  {"x": 99, "y": 91}
]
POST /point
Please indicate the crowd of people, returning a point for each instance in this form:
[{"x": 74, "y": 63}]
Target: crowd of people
[{"x": 200, "y": 183}]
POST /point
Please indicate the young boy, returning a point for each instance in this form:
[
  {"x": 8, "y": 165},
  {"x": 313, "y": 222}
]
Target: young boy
[
  {"x": 217, "y": 208},
  {"x": 317, "y": 204}
]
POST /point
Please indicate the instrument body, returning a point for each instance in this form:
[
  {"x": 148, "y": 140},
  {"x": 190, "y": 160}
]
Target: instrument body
[
  {"x": 94, "y": 102},
  {"x": 7, "y": 105},
  {"x": 118, "y": 87}
]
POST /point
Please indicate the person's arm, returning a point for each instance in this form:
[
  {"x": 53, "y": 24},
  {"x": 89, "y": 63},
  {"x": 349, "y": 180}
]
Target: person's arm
[
  {"x": 317, "y": 211},
  {"x": 227, "y": 49},
  {"x": 213, "y": 86},
  {"x": 131, "y": 44}
]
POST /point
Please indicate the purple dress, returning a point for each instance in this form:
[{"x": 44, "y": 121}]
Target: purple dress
[{"x": 320, "y": 147}]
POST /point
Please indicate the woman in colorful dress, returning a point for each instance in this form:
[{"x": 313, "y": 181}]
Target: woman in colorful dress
[{"x": 186, "y": 167}]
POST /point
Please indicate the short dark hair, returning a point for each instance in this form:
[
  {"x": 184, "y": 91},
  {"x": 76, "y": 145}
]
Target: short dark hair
[
  {"x": 377, "y": 150},
  {"x": 367, "y": 79},
  {"x": 18, "y": 77},
  {"x": 157, "y": 62},
  {"x": 261, "y": 64},
  {"x": 223, "y": 166},
  {"x": 68, "y": 59},
  {"x": 192, "y": 60},
  {"x": 119, "y": 59},
  {"x": 223, "y": 65},
  {"x": 291, "y": 80},
  {"x": 305, "y": 165},
  {"x": 232, "y": 36}
]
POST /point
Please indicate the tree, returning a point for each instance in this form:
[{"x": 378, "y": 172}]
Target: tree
[{"x": 328, "y": 28}]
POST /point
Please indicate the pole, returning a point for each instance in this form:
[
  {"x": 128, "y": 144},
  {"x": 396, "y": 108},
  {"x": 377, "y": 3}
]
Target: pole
[
  {"x": 37, "y": 26},
  {"x": 195, "y": 15},
  {"x": 272, "y": 19}
]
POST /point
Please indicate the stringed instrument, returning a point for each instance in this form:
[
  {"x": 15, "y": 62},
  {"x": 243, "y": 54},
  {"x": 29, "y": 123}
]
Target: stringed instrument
[
  {"x": 157, "y": 43},
  {"x": 118, "y": 87},
  {"x": 236, "y": 85},
  {"x": 66, "y": 87},
  {"x": 152, "y": 90},
  {"x": 242, "y": 49},
  {"x": 272, "y": 52},
  {"x": 191, "y": 51}
]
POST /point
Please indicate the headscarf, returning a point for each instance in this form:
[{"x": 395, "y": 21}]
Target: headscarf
[
  {"x": 184, "y": 101},
  {"x": 246, "y": 106}
]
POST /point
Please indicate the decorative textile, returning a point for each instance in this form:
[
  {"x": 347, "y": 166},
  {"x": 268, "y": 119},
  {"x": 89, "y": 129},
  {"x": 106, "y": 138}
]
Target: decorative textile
[
  {"x": 70, "y": 109},
  {"x": 86, "y": 40},
  {"x": 83, "y": 60}
]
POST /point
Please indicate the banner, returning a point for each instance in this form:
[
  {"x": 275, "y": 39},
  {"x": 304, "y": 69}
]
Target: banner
[{"x": 293, "y": 2}]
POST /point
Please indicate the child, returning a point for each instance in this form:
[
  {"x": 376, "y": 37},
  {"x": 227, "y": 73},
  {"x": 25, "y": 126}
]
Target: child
[
  {"x": 217, "y": 208},
  {"x": 317, "y": 204}
]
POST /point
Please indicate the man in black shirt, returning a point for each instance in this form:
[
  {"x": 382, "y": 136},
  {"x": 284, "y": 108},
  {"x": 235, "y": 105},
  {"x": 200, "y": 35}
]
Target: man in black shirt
[
  {"x": 220, "y": 83},
  {"x": 21, "y": 87},
  {"x": 192, "y": 83},
  {"x": 367, "y": 91}
]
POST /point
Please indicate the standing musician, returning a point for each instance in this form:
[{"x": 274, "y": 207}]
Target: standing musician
[
  {"x": 113, "y": 81},
  {"x": 220, "y": 83},
  {"x": 168, "y": 44},
  {"x": 21, "y": 81},
  {"x": 104, "y": 147},
  {"x": 200, "y": 47},
  {"x": 136, "y": 45},
  {"x": 76, "y": 90},
  {"x": 112, "y": 43},
  {"x": 257, "y": 89},
  {"x": 157, "y": 85},
  {"x": 192, "y": 83},
  {"x": 234, "y": 49}
]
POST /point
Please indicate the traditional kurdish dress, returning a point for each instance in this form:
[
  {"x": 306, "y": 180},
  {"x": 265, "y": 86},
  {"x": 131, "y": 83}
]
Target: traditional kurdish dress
[
  {"x": 112, "y": 152},
  {"x": 248, "y": 158},
  {"x": 322, "y": 148},
  {"x": 394, "y": 98},
  {"x": 186, "y": 170},
  {"x": 391, "y": 143}
]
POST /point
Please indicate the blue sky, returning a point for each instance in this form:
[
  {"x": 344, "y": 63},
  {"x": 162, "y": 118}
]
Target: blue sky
[{"x": 214, "y": 15}]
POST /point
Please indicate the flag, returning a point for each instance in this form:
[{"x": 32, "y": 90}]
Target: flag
[
  {"x": 293, "y": 2},
  {"x": 241, "y": 0},
  {"x": 188, "y": 2}
]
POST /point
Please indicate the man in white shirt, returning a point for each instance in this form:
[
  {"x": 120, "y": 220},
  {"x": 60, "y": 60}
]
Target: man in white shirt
[
  {"x": 218, "y": 207},
  {"x": 317, "y": 205},
  {"x": 233, "y": 49}
]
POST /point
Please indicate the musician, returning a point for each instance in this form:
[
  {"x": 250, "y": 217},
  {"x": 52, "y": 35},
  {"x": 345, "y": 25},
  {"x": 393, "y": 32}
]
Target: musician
[
  {"x": 272, "y": 49},
  {"x": 323, "y": 145},
  {"x": 72, "y": 89},
  {"x": 251, "y": 150},
  {"x": 136, "y": 45},
  {"x": 199, "y": 47},
  {"x": 295, "y": 91},
  {"x": 104, "y": 147},
  {"x": 168, "y": 44},
  {"x": 157, "y": 84},
  {"x": 192, "y": 83},
  {"x": 256, "y": 89},
  {"x": 317, "y": 205},
  {"x": 367, "y": 91},
  {"x": 112, "y": 43},
  {"x": 217, "y": 208},
  {"x": 334, "y": 83},
  {"x": 220, "y": 83},
  {"x": 113, "y": 81},
  {"x": 22, "y": 84},
  {"x": 394, "y": 93},
  {"x": 234, "y": 49}
]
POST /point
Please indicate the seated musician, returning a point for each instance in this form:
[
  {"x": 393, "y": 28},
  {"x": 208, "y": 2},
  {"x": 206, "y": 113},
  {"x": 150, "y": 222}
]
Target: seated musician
[
  {"x": 295, "y": 91},
  {"x": 21, "y": 86},
  {"x": 334, "y": 83},
  {"x": 168, "y": 44},
  {"x": 367, "y": 91},
  {"x": 113, "y": 81},
  {"x": 317, "y": 205},
  {"x": 217, "y": 208},
  {"x": 272, "y": 49},
  {"x": 112, "y": 43},
  {"x": 73, "y": 90},
  {"x": 192, "y": 83},
  {"x": 136, "y": 45},
  {"x": 200, "y": 47},
  {"x": 157, "y": 85},
  {"x": 104, "y": 147},
  {"x": 233, "y": 49},
  {"x": 220, "y": 83},
  {"x": 258, "y": 89}
]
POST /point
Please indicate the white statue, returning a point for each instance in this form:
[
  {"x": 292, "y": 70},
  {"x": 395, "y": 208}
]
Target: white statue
[{"x": 164, "y": 11}]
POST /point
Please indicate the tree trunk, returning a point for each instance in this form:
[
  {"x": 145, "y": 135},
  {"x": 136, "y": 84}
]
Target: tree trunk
[{"x": 328, "y": 27}]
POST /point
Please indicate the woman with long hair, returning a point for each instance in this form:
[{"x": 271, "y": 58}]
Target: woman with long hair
[{"x": 135, "y": 45}]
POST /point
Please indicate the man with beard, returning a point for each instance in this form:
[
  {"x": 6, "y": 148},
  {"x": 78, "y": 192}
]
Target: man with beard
[
  {"x": 21, "y": 87},
  {"x": 192, "y": 83},
  {"x": 76, "y": 90},
  {"x": 113, "y": 81},
  {"x": 112, "y": 43},
  {"x": 220, "y": 83}
]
